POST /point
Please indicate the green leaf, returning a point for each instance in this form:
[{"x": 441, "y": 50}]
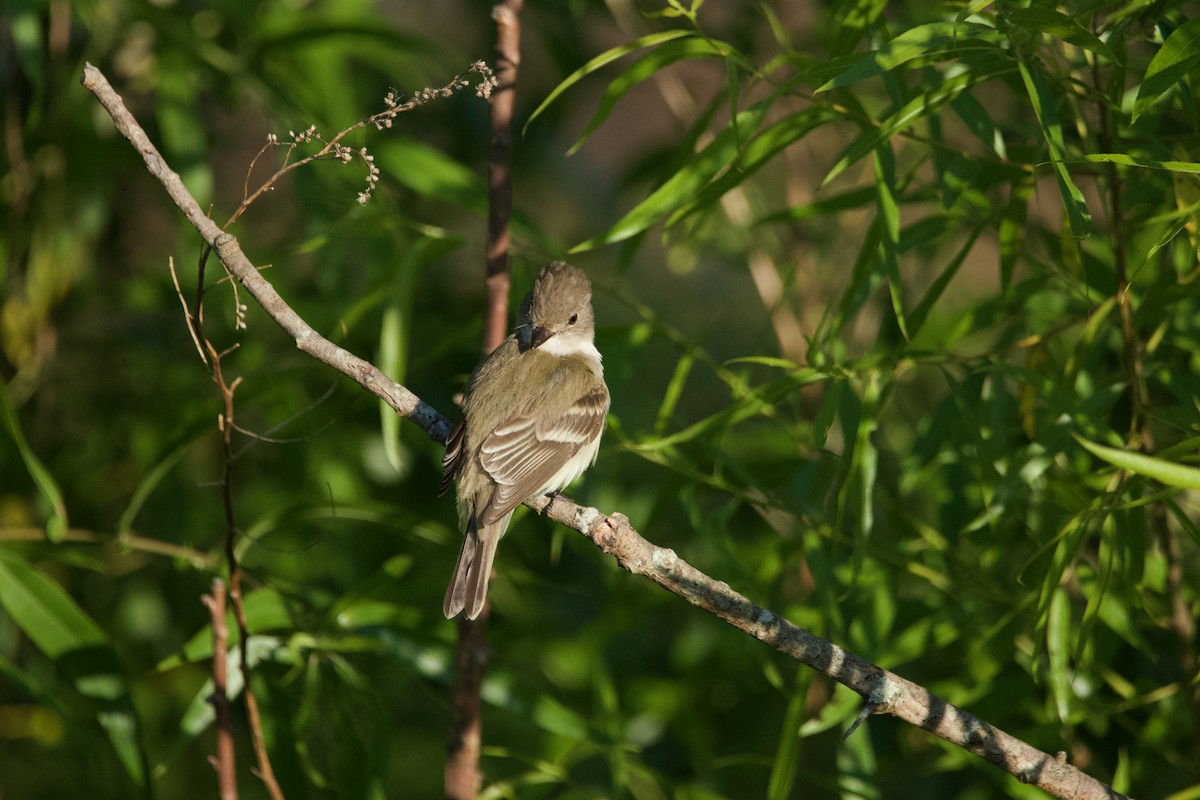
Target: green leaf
[
  {"x": 889, "y": 239},
  {"x": 430, "y": 173},
  {"x": 756, "y": 154},
  {"x": 1161, "y": 470},
  {"x": 787, "y": 750},
  {"x": 834, "y": 204},
  {"x": 864, "y": 280},
  {"x": 265, "y": 610},
  {"x": 648, "y": 66},
  {"x": 57, "y": 525},
  {"x": 1055, "y": 23},
  {"x": 1045, "y": 106},
  {"x": 975, "y": 116},
  {"x": 683, "y": 186},
  {"x": 739, "y": 410},
  {"x": 1174, "y": 60},
  {"x": 47, "y": 614},
  {"x": 911, "y": 112},
  {"x": 919, "y": 314},
  {"x": 1058, "y": 631},
  {"x": 937, "y": 39},
  {"x": 1012, "y": 226},
  {"x": 58, "y": 627},
  {"x": 605, "y": 58},
  {"x": 1185, "y": 167},
  {"x": 674, "y": 391}
]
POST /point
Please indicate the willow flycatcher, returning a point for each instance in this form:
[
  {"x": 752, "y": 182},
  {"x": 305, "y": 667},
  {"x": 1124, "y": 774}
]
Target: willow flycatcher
[{"x": 532, "y": 417}]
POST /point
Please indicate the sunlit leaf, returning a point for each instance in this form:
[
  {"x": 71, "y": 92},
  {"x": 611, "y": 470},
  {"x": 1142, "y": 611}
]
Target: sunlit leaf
[
  {"x": 47, "y": 485},
  {"x": 605, "y": 58},
  {"x": 1161, "y": 470},
  {"x": 682, "y": 187},
  {"x": 1178, "y": 54},
  {"x": 1057, "y": 24},
  {"x": 939, "y": 39},
  {"x": 1045, "y": 106}
]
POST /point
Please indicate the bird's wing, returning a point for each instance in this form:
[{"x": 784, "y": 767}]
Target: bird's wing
[
  {"x": 525, "y": 451},
  {"x": 452, "y": 460}
]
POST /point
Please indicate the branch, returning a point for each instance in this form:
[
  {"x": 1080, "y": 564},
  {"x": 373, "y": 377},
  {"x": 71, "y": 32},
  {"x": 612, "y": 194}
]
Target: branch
[
  {"x": 223, "y": 761},
  {"x": 462, "y": 777},
  {"x": 883, "y": 692},
  {"x": 404, "y": 402}
]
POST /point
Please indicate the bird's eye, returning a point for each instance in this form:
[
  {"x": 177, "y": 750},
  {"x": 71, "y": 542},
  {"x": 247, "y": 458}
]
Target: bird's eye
[{"x": 574, "y": 318}]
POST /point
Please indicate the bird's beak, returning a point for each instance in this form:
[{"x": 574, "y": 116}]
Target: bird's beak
[{"x": 540, "y": 335}]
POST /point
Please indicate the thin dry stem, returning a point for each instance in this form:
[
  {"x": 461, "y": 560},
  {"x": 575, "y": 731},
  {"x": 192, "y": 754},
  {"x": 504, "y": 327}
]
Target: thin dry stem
[{"x": 223, "y": 761}]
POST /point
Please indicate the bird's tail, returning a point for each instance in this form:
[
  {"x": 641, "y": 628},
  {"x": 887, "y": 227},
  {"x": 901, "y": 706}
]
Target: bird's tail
[{"x": 469, "y": 584}]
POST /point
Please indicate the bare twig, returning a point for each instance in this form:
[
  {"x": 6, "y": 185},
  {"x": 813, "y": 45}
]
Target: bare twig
[
  {"x": 884, "y": 692},
  {"x": 122, "y": 542},
  {"x": 223, "y": 761},
  {"x": 334, "y": 149},
  {"x": 227, "y": 389},
  {"x": 227, "y": 249}
]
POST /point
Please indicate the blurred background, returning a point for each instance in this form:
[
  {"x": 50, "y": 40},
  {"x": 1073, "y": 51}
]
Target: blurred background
[{"x": 858, "y": 287}]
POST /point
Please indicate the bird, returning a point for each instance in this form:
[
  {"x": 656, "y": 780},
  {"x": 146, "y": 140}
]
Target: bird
[{"x": 533, "y": 414}]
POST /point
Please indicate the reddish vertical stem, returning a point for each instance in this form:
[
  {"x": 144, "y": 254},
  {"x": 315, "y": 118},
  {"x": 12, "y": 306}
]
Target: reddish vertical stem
[
  {"x": 265, "y": 772},
  {"x": 463, "y": 778},
  {"x": 223, "y": 761},
  {"x": 508, "y": 57}
]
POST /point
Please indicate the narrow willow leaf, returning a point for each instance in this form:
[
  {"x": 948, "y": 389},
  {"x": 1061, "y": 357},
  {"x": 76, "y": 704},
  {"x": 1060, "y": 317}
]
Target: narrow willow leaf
[
  {"x": 394, "y": 331},
  {"x": 856, "y": 497},
  {"x": 1184, "y": 520},
  {"x": 827, "y": 413},
  {"x": 972, "y": 9},
  {"x": 674, "y": 391},
  {"x": 1106, "y": 561},
  {"x": 429, "y": 172},
  {"x": 787, "y": 750},
  {"x": 766, "y": 361},
  {"x": 1058, "y": 633},
  {"x": 1163, "y": 471},
  {"x": 58, "y": 627},
  {"x": 607, "y": 57},
  {"x": 1187, "y": 167},
  {"x": 937, "y": 39},
  {"x": 864, "y": 280},
  {"x": 149, "y": 483},
  {"x": 851, "y": 21},
  {"x": 889, "y": 227},
  {"x": 57, "y": 525},
  {"x": 919, "y": 314},
  {"x": 1045, "y": 107},
  {"x": 912, "y": 111},
  {"x": 1012, "y": 226},
  {"x": 835, "y": 204},
  {"x": 980, "y": 123},
  {"x": 48, "y": 615},
  {"x": 265, "y": 610},
  {"x": 1055, "y": 23},
  {"x": 684, "y": 184},
  {"x": 1178, "y": 54},
  {"x": 648, "y": 66},
  {"x": 740, "y": 409},
  {"x": 755, "y": 154}
]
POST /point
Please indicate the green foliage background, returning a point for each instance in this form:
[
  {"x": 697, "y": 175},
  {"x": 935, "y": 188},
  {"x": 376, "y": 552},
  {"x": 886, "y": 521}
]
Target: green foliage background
[{"x": 867, "y": 273}]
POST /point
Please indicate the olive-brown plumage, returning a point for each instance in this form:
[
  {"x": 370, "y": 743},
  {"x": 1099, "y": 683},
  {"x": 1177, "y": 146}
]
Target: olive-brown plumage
[{"x": 533, "y": 414}]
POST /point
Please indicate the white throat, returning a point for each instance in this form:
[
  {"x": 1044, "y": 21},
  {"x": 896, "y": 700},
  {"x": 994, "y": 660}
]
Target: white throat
[{"x": 568, "y": 345}]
